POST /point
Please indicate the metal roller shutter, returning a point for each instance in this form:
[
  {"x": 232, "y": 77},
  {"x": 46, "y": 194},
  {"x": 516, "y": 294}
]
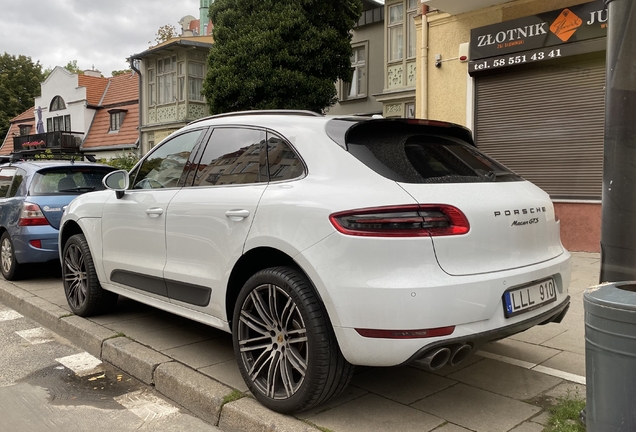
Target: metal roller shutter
[{"x": 546, "y": 124}]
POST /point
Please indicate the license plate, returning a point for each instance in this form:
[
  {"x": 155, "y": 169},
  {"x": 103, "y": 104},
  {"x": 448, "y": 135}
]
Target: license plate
[{"x": 529, "y": 297}]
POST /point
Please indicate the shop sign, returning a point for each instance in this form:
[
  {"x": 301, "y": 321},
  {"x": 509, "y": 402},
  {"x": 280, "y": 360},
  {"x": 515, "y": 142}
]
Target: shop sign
[{"x": 549, "y": 29}]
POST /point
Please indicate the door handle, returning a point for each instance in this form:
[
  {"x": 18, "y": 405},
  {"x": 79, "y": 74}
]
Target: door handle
[
  {"x": 237, "y": 215},
  {"x": 154, "y": 212}
]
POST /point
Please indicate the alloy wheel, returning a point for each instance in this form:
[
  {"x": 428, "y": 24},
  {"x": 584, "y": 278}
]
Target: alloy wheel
[
  {"x": 6, "y": 255},
  {"x": 272, "y": 339},
  {"x": 75, "y": 278}
]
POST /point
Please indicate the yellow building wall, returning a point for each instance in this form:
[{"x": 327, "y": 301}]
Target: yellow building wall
[{"x": 442, "y": 92}]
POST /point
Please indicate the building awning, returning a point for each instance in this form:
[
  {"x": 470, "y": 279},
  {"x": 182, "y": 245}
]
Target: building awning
[{"x": 456, "y": 7}]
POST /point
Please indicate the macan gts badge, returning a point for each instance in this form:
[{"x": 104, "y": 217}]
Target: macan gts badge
[{"x": 320, "y": 244}]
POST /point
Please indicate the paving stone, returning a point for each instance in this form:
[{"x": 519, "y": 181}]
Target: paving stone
[
  {"x": 350, "y": 393},
  {"x": 449, "y": 427},
  {"x": 567, "y": 389},
  {"x": 568, "y": 362},
  {"x": 538, "y": 335},
  {"x": 202, "y": 354},
  {"x": 528, "y": 427},
  {"x": 531, "y": 353},
  {"x": 172, "y": 337},
  {"x": 572, "y": 340},
  {"x": 542, "y": 418},
  {"x": 401, "y": 384},
  {"x": 505, "y": 379},
  {"x": 84, "y": 333},
  {"x": 372, "y": 413},
  {"x": 248, "y": 415},
  {"x": 133, "y": 358},
  {"x": 476, "y": 409},
  {"x": 228, "y": 373},
  {"x": 137, "y": 326}
]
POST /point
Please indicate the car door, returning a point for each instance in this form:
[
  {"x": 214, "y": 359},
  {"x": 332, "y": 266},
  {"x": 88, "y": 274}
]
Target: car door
[
  {"x": 207, "y": 224},
  {"x": 133, "y": 226}
]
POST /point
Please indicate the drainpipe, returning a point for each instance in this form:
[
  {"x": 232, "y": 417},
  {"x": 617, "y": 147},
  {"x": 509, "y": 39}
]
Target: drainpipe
[
  {"x": 618, "y": 228},
  {"x": 423, "y": 111},
  {"x": 140, "y": 151}
]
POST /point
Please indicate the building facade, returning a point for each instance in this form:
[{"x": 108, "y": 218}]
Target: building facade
[
  {"x": 171, "y": 79},
  {"x": 528, "y": 77}
]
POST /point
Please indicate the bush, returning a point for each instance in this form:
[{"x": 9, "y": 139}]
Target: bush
[{"x": 124, "y": 162}]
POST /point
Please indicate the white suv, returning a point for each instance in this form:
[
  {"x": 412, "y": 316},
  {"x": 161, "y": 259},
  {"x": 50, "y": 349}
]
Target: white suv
[{"x": 322, "y": 243}]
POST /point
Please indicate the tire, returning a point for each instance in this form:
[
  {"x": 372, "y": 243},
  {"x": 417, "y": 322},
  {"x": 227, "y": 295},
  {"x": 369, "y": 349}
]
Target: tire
[
  {"x": 284, "y": 344},
  {"x": 84, "y": 294},
  {"x": 10, "y": 268}
]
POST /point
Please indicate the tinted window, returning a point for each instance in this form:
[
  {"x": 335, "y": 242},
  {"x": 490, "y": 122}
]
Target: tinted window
[
  {"x": 283, "y": 163},
  {"x": 6, "y": 178},
  {"x": 422, "y": 154},
  {"x": 68, "y": 180},
  {"x": 166, "y": 166},
  {"x": 232, "y": 156},
  {"x": 17, "y": 187}
]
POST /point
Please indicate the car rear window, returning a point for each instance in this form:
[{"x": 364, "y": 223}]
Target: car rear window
[
  {"x": 418, "y": 153},
  {"x": 68, "y": 180}
]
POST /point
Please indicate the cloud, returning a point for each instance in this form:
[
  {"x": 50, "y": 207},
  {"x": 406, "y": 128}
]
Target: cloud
[{"x": 95, "y": 33}]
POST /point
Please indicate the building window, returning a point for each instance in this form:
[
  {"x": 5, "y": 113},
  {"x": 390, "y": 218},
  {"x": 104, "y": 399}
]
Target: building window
[
  {"x": 167, "y": 79},
  {"x": 152, "y": 98},
  {"x": 402, "y": 32},
  {"x": 396, "y": 32},
  {"x": 59, "y": 123},
  {"x": 358, "y": 86},
  {"x": 116, "y": 120},
  {"x": 57, "y": 104},
  {"x": 25, "y": 129},
  {"x": 196, "y": 72},
  {"x": 409, "y": 110},
  {"x": 181, "y": 81}
]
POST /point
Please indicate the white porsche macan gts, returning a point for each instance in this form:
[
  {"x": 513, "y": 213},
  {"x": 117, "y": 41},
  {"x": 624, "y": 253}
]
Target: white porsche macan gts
[{"x": 321, "y": 243}]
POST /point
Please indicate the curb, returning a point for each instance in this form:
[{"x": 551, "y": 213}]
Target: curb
[{"x": 203, "y": 396}]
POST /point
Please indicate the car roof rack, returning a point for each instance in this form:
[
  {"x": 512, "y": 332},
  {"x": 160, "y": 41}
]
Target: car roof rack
[
  {"x": 261, "y": 112},
  {"x": 43, "y": 155}
]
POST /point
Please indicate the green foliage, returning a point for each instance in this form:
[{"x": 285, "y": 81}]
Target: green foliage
[
  {"x": 121, "y": 161},
  {"x": 234, "y": 396},
  {"x": 564, "y": 416},
  {"x": 279, "y": 54},
  {"x": 20, "y": 80},
  {"x": 164, "y": 33},
  {"x": 120, "y": 72},
  {"x": 72, "y": 67}
]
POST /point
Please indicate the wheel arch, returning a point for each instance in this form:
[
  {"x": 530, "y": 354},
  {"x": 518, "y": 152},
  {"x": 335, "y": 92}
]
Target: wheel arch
[
  {"x": 252, "y": 262},
  {"x": 69, "y": 229}
]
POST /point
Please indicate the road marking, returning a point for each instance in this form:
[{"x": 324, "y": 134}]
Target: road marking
[
  {"x": 36, "y": 335},
  {"x": 8, "y": 315},
  {"x": 147, "y": 406},
  {"x": 535, "y": 367},
  {"x": 82, "y": 364}
]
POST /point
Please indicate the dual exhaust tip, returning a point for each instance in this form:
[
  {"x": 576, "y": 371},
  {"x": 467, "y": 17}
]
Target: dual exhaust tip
[{"x": 439, "y": 357}]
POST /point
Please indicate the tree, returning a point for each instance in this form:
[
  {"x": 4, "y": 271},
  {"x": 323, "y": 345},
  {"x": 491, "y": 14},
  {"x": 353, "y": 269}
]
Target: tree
[
  {"x": 20, "y": 80},
  {"x": 120, "y": 72},
  {"x": 279, "y": 54},
  {"x": 73, "y": 68},
  {"x": 165, "y": 32}
]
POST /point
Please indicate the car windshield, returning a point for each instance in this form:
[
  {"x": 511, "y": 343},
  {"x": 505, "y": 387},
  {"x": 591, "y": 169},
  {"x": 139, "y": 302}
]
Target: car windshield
[{"x": 68, "y": 180}]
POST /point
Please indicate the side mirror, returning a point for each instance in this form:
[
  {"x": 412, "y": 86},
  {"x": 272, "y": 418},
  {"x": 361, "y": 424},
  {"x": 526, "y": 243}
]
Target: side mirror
[{"x": 117, "y": 181}]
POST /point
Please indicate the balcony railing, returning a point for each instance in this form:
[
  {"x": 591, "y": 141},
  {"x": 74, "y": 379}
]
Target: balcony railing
[{"x": 53, "y": 140}]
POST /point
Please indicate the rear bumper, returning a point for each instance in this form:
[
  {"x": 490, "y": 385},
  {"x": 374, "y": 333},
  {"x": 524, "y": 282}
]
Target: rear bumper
[
  {"x": 27, "y": 253},
  {"x": 475, "y": 341}
]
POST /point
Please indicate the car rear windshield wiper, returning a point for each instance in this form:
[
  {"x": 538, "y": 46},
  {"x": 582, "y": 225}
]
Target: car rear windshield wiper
[{"x": 79, "y": 189}]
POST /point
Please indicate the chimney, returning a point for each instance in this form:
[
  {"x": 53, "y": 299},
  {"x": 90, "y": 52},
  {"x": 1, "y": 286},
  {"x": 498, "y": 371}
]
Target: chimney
[{"x": 93, "y": 73}]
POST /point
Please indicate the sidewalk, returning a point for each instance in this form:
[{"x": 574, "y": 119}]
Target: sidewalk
[{"x": 504, "y": 387}]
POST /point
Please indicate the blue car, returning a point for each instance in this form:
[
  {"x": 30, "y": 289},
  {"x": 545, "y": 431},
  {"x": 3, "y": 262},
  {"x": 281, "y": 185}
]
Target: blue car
[{"x": 33, "y": 195}]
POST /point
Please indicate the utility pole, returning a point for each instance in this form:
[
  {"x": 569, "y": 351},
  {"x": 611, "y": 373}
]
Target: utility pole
[{"x": 618, "y": 229}]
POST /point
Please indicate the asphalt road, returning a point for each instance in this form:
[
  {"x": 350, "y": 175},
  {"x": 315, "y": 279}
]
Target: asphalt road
[{"x": 48, "y": 384}]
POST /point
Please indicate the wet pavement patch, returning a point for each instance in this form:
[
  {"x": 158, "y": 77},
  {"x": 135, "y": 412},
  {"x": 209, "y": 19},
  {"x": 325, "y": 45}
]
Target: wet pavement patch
[{"x": 97, "y": 390}]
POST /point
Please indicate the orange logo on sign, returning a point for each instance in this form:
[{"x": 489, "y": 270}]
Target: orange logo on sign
[{"x": 565, "y": 25}]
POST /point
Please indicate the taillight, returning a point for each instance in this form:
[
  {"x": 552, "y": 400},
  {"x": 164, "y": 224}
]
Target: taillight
[
  {"x": 32, "y": 215},
  {"x": 402, "y": 221},
  {"x": 406, "y": 334}
]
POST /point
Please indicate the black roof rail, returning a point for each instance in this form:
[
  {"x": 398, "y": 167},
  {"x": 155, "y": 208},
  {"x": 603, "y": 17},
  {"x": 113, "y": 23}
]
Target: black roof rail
[
  {"x": 260, "y": 112},
  {"x": 48, "y": 154}
]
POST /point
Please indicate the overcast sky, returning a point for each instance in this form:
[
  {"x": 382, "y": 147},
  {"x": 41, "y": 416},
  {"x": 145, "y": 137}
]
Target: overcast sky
[{"x": 99, "y": 33}]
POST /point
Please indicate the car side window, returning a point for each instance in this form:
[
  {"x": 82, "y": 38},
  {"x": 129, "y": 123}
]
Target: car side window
[
  {"x": 18, "y": 181},
  {"x": 167, "y": 165},
  {"x": 6, "y": 178},
  {"x": 234, "y": 155},
  {"x": 283, "y": 163}
]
